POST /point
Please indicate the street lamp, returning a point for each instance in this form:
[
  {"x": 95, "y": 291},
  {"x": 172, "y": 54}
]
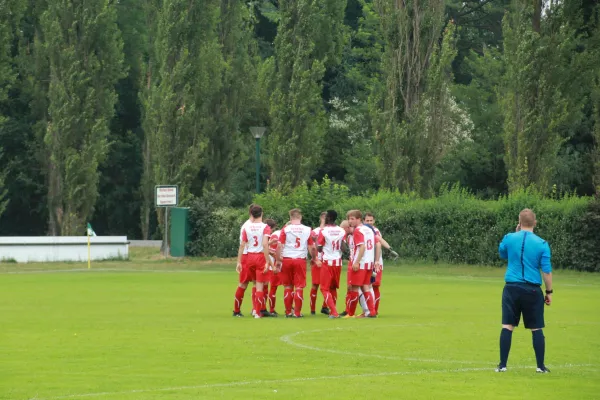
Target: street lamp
[{"x": 257, "y": 132}]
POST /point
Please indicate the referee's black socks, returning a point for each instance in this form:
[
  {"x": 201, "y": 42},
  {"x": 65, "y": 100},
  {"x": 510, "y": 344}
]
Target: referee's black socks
[
  {"x": 539, "y": 346},
  {"x": 505, "y": 341}
]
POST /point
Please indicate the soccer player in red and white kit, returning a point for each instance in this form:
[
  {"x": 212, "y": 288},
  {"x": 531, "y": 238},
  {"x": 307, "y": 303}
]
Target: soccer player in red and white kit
[
  {"x": 370, "y": 220},
  {"x": 244, "y": 277},
  {"x": 330, "y": 243},
  {"x": 273, "y": 273},
  {"x": 255, "y": 236},
  {"x": 315, "y": 271},
  {"x": 294, "y": 244},
  {"x": 363, "y": 263}
]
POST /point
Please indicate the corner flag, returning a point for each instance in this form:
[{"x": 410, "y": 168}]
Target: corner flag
[{"x": 90, "y": 231}]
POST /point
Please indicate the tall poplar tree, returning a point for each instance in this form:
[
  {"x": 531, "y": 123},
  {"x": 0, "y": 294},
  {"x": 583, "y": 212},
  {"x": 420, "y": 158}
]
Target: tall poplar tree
[
  {"x": 183, "y": 80},
  {"x": 309, "y": 38},
  {"x": 83, "y": 48}
]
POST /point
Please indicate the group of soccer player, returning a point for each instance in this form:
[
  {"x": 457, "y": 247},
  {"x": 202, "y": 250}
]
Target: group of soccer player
[{"x": 270, "y": 257}]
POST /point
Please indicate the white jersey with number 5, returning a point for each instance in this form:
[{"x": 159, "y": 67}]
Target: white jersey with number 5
[
  {"x": 295, "y": 239},
  {"x": 331, "y": 238},
  {"x": 253, "y": 233}
]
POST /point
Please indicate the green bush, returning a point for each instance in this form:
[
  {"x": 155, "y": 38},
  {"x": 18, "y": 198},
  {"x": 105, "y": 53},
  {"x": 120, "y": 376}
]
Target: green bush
[{"x": 454, "y": 227}]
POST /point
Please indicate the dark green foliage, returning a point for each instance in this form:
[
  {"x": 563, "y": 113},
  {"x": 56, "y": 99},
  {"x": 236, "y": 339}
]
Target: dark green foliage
[{"x": 454, "y": 227}]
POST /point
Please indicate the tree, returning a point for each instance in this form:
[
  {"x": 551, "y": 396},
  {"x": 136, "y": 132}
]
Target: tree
[
  {"x": 542, "y": 95},
  {"x": 310, "y": 37},
  {"x": 118, "y": 209},
  {"x": 83, "y": 46},
  {"x": 410, "y": 31},
  {"x": 183, "y": 82}
]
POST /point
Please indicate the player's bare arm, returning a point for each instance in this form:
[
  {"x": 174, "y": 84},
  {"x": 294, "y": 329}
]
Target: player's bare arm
[
  {"x": 359, "y": 256},
  {"x": 548, "y": 285},
  {"x": 278, "y": 257},
  {"x": 238, "y": 267},
  {"x": 266, "y": 252}
]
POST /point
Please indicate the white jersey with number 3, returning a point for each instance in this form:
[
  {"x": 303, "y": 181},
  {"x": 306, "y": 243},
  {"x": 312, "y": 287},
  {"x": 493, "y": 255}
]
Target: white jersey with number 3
[
  {"x": 331, "y": 238},
  {"x": 253, "y": 233},
  {"x": 295, "y": 239}
]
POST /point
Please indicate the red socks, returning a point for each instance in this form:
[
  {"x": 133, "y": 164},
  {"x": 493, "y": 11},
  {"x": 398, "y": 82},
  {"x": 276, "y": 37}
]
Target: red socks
[
  {"x": 377, "y": 297},
  {"x": 333, "y": 295},
  {"x": 370, "y": 303},
  {"x": 260, "y": 302},
  {"x": 351, "y": 302},
  {"x": 313, "y": 299},
  {"x": 272, "y": 298},
  {"x": 298, "y": 300},
  {"x": 288, "y": 300},
  {"x": 329, "y": 303},
  {"x": 239, "y": 297}
]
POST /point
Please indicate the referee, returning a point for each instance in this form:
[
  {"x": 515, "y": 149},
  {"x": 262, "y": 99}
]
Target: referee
[{"x": 526, "y": 253}]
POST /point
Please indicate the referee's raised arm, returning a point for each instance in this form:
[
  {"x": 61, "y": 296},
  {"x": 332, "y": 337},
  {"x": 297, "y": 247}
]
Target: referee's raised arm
[{"x": 527, "y": 255}]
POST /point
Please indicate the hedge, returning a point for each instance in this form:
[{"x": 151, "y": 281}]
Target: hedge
[{"x": 454, "y": 227}]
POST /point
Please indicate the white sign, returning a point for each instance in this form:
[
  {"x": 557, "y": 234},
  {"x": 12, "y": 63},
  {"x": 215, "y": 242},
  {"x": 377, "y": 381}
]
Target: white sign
[{"x": 166, "y": 196}]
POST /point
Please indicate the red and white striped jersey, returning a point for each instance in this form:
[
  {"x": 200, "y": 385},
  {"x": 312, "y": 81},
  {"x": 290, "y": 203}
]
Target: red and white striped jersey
[
  {"x": 378, "y": 233},
  {"x": 241, "y": 234},
  {"x": 364, "y": 235},
  {"x": 253, "y": 234},
  {"x": 331, "y": 237},
  {"x": 295, "y": 239},
  {"x": 274, "y": 236}
]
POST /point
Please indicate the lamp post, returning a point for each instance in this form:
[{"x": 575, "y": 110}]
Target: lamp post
[{"x": 257, "y": 132}]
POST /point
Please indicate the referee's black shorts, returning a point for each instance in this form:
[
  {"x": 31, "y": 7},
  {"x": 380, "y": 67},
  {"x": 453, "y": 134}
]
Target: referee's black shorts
[{"x": 526, "y": 299}]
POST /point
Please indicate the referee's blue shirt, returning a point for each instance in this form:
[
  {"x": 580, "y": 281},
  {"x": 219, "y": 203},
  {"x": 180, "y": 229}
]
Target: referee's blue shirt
[{"x": 526, "y": 253}]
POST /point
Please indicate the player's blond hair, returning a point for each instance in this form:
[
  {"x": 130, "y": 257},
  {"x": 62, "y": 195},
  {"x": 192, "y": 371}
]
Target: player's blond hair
[
  {"x": 295, "y": 213},
  {"x": 354, "y": 213},
  {"x": 527, "y": 218}
]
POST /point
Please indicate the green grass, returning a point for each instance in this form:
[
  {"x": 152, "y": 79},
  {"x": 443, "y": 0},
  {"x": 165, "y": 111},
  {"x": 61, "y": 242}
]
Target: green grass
[{"x": 150, "y": 328}]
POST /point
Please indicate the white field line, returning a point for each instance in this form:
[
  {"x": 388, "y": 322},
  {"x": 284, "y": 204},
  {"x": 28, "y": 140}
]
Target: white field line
[
  {"x": 292, "y": 380},
  {"x": 288, "y": 339}
]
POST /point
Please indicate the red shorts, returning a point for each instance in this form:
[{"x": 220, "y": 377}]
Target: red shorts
[
  {"x": 338, "y": 275},
  {"x": 315, "y": 274},
  {"x": 330, "y": 279},
  {"x": 255, "y": 266},
  {"x": 275, "y": 279},
  {"x": 360, "y": 278},
  {"x": 244, "y": 276},
  {"x": 293, "y": 272},
  {"x": 378, "y": 279}
]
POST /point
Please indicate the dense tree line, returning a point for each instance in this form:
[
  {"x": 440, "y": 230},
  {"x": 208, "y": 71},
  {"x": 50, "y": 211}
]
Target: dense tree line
[{"x": 100, "y": 100}]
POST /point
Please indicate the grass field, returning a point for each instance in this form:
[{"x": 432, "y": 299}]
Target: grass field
[{"x": 154, "y": 329}]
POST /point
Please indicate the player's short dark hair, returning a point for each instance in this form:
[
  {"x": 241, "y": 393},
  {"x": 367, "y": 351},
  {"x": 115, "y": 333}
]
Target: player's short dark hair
[
  {"x": 256, "y": 211},
  {"x": 330, "y": 217},
  {"x": 250, "y": 208},
  {"x": 271, "y": 222},
  {"x": 369, "y": 214}
]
